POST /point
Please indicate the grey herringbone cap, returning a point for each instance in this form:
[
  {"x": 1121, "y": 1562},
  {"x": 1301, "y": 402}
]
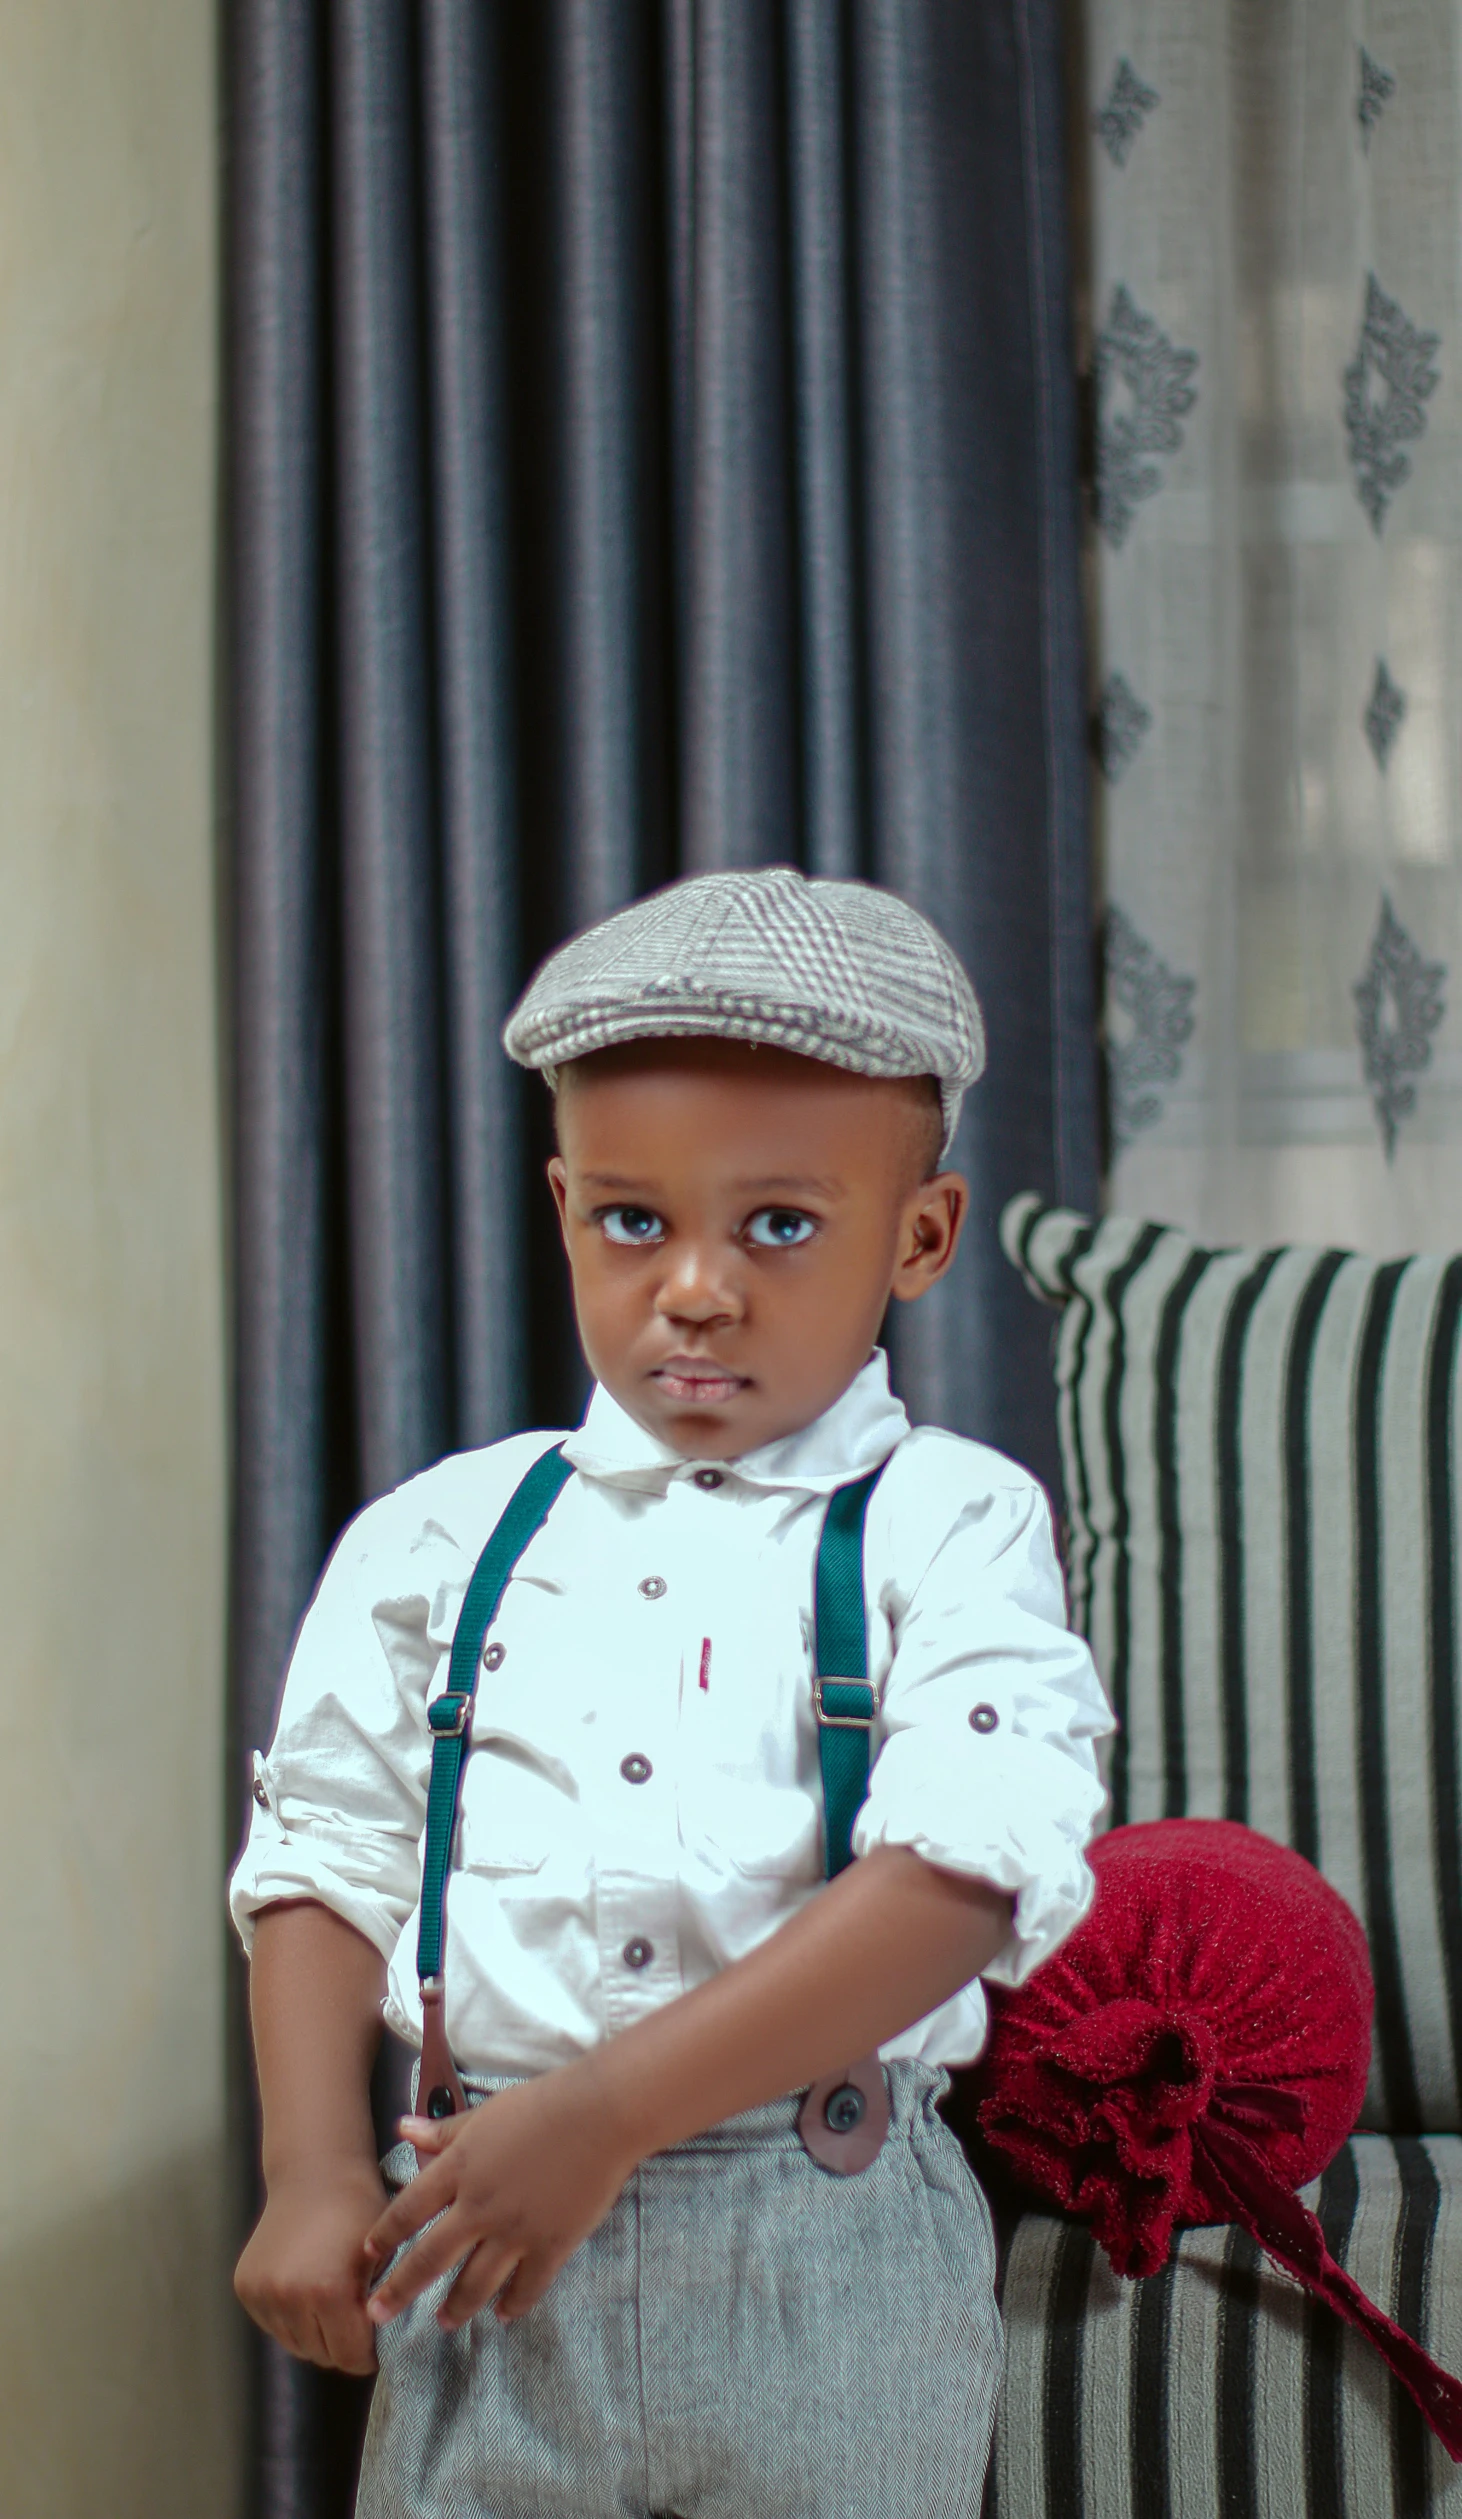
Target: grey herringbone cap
[{"x": 840, "y": 971}]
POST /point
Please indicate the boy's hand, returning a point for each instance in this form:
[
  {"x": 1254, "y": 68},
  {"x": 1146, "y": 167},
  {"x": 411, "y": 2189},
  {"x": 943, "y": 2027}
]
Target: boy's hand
[
  {"x": 518, "y": 2182},
  {"x": 304, "y": 2273}
]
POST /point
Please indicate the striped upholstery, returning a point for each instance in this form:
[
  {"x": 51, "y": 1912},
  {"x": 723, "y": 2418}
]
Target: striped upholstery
[
  {"x": 1261, "y": 1454},
  {"x": 1218, "y": 2389}
]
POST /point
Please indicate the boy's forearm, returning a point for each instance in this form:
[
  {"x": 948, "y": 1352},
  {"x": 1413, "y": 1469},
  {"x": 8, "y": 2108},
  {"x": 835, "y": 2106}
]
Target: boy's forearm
[
  {"x": 515, "y": 2187},
  {"x": 315, "y": 1988},
  {"x": 885, "y": 1943}
]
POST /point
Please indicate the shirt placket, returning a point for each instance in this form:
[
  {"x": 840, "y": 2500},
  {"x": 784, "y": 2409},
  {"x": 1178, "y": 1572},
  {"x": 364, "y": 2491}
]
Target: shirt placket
[{"x": 638, "y": 1899}]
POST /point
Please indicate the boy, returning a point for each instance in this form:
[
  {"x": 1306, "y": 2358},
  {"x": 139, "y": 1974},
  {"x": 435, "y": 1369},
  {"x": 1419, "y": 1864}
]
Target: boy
[{"x": 629, "y": 2283}]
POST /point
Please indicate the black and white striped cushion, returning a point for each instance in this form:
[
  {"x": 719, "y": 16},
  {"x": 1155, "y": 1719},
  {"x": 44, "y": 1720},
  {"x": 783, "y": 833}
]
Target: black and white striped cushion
[
  {"x": 1264, "y": 1528},
  {"x": 1219, "y": 2386}
]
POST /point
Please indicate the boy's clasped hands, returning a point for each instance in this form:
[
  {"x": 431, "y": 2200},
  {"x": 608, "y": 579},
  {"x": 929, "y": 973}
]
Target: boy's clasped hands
[{"x": 516, "y": 2184}]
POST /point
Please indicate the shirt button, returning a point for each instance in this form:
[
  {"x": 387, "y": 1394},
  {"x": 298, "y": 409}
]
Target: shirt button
[
  {"x": 494, "y": 1657},
  {"x": 261, "y": 1793},
  {"x": 710, "y": 1479},
  {"x": 635, "y": 1769},
  {"x": 653, "y": 1587},
  {"x": 638, "y": 1953},
  {"x": 983, "y": 1718}
]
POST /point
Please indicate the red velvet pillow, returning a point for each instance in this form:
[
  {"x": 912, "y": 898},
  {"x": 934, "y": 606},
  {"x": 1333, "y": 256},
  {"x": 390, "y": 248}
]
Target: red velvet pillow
[{"x": 1196, "y": 2051}]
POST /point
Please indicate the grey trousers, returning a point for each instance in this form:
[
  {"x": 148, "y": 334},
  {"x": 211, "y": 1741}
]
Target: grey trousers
[{"x": 745, "y": 2336}]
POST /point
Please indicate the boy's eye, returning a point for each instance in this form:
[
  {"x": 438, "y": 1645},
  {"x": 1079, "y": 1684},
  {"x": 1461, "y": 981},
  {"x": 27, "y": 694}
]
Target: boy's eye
[
  {"x": 780, "y": 1228},
  {"x": 629, "y": 1225}
]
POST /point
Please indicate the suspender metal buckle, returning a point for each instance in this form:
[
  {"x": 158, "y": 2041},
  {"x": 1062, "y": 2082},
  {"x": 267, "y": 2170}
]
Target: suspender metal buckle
[
  {"x": 843, "y": 1720},
  {"x": 449, "y": 1716}
]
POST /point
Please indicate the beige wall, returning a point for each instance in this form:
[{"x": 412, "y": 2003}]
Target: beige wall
[{"x": 117, "y": 2342}]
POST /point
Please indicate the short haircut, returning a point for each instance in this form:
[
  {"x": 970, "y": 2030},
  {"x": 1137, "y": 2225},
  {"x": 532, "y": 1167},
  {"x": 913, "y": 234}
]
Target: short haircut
[{"x": 924, "y": 1104}]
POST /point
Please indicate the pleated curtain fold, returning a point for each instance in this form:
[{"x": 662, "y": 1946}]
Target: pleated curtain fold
[{"x": 651, "y": 447}]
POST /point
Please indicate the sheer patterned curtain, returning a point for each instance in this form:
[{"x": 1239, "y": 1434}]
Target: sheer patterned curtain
[{"x": 1272, "y": 266}]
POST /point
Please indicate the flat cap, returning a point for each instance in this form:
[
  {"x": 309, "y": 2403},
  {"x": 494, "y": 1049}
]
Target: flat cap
[{"x": 844, "y": 972}]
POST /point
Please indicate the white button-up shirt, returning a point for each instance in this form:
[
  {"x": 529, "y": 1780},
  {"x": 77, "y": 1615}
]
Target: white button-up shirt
[{"x": 643, "y": 1799}]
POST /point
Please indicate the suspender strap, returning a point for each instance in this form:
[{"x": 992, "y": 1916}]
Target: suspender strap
[
  {"x": 450, "y": 1714},
  {"x": 846, "y": 1702}
]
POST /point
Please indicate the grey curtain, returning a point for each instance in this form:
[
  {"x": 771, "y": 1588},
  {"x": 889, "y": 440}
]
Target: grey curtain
[{"x": 651, "y": 447}]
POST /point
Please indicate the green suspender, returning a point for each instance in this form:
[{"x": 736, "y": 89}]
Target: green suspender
[
  {"x": 450, "y": 1715},
  {"x": 845, "y": 1700},
  {"x": 846, "y": 1703}
]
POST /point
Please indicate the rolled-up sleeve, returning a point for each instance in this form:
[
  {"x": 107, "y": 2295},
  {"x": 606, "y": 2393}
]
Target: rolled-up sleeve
[
  {"x": 991, "y": 1712},
  {"x": 340, "y": 1799}
]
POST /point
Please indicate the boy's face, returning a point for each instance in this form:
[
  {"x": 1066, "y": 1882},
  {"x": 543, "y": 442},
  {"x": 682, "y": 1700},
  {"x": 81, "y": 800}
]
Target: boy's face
[{"x": 736, "y": 1219}]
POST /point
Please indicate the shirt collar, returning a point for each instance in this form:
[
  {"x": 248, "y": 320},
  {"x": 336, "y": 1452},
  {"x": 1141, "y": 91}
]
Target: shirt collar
[{"x": 855, "y": 1434}]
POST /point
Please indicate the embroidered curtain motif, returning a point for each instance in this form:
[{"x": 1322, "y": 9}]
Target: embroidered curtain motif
[{"x": 1271, "y": 265}]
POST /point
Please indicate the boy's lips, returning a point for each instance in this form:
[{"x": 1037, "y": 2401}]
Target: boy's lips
[{"x": 694, "y": 1378}]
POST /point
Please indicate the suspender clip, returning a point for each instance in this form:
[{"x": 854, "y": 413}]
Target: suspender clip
[
  {"x": 449, "y": 1716},
  {"x": 839, "y": 1716}
]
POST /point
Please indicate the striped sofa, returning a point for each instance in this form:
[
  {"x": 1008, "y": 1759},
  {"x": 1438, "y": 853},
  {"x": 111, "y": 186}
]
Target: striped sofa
[{"x": 1262, "y": 1453}]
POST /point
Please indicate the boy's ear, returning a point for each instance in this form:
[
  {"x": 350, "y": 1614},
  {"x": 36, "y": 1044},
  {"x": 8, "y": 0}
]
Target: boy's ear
[
  {"x": 929, "y": 1231},
  {"x": 558, "y": 1182}
]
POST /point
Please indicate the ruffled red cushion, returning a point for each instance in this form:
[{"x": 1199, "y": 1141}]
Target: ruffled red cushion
[{"x": 1196, "y": 2051}]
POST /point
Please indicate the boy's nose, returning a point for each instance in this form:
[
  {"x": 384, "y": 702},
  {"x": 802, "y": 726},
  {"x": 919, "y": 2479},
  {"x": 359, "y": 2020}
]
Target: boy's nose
[{"x": 699, "y": 1287}]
